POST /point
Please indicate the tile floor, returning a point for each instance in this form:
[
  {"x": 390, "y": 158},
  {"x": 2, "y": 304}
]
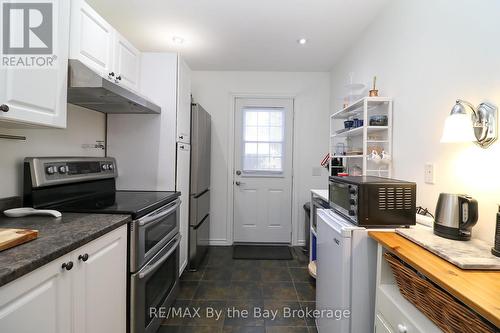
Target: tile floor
[{"x": 224, "y": 283}]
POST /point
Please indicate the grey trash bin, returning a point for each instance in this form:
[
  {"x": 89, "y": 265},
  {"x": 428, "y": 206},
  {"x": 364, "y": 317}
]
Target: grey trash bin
[{"x": 307, "y": 226}]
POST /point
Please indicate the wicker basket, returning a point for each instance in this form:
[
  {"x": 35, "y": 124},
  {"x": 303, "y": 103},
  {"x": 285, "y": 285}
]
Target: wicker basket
[{"x": 449, "y": 314}]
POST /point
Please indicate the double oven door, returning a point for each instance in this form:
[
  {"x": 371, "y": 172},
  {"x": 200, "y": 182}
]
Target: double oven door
[
  {"x": 154, "y": 266},
  {"x": 153, "y": 287},
  {"x": 149, "y": 234}
]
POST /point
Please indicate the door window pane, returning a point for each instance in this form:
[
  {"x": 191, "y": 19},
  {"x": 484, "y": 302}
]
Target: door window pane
[{"x": 263, "y": 136}]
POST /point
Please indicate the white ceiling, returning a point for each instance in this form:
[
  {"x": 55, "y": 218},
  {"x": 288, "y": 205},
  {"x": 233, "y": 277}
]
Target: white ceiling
[{"x": 244, "y": 34}]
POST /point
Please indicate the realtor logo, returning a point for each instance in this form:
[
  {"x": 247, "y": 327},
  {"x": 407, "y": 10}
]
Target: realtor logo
[
  {"x": 27, "y": 28},
  {"x": 27, "y": 34}
]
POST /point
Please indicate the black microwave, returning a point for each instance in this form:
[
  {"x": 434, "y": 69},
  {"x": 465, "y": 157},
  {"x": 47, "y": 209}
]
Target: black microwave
[{"x": 373, "y": 201}]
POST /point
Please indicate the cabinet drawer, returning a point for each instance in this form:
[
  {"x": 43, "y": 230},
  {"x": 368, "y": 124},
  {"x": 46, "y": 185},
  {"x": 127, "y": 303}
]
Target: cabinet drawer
[
  {"x": 399, "y": 314},
  {"x": 381, "y": 326}
]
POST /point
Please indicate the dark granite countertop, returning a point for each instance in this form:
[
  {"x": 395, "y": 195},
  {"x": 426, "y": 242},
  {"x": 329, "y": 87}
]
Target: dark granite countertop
[{"x": 56, "y": 237}]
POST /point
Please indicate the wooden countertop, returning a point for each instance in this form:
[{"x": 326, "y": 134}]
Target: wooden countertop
[{"x": 478, "y": 289}]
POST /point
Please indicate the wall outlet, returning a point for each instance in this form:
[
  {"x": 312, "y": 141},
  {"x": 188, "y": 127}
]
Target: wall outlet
[{"x": 429, "y": 170}]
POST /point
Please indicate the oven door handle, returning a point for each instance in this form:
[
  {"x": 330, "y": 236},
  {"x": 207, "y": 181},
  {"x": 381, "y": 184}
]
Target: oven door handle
[
  {"x": 151, "y": 268},
  {"x": 149, "y": 219}
]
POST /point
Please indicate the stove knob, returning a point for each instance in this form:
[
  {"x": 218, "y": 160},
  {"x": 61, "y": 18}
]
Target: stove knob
[
  {"x": 111, "y": 167},
  {"x": 352, "y": 202},
  {"x": 104, "y": 167},
  {"x": 51, "y": 170},
  {"x": 63, "y": 169},
  {"x": 352, "y": 190},
  {"x": 352, "y": 213}
]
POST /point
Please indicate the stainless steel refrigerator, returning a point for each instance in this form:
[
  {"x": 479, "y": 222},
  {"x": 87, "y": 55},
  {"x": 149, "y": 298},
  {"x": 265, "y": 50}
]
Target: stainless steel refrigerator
[{"x": 199, "y": 194}]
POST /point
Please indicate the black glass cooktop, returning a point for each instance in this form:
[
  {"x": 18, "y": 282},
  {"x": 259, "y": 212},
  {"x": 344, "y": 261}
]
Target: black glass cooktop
[{"x": 135, "y": 203}]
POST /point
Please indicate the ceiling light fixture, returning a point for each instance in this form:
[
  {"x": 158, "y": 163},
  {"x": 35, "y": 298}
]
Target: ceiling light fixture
[
  {"x": 178, "y": 40},
  {"x": 302, "y": 41}
]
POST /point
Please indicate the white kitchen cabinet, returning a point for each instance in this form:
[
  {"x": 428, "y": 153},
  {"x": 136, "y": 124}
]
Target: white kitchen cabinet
[
  {"x": 183, "y": 102},
  {"x": 127, "y": 62},
  {"x": 94, "y": 42},
  {"x": 381, "y": 326},
  {"x": 100, "y": 284},
  {"x": 91, "y": 38},
  {"x": 90, "y": 297},
  {"x": 38, "y": 96},
  {"x": 39, "y": 301},
  {"x": 182, "y": 185}
]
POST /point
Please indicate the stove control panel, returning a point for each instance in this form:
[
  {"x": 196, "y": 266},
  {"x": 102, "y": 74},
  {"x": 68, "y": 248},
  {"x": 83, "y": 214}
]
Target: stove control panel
[{"x": 48, "y": 171}]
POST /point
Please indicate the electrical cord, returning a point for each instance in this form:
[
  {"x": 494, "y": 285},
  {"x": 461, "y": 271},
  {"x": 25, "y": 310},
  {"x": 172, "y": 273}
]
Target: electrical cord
[{"x": 424, "y": 211}]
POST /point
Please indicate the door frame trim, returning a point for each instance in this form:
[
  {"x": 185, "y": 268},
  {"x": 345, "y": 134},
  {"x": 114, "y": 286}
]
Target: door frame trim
[{"x": 230, "y": 170}]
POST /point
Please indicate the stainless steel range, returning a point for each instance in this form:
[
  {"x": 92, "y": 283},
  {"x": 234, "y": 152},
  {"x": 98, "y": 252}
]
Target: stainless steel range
[{"x": 87, "y": 185}]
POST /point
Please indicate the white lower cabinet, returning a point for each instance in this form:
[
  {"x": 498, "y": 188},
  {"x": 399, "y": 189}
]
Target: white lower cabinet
[
  {"x": 100, "y": 285},
  {"x": 393, "y": 313},
  {"x": 39, "y": 301},
  {"x": 90, "y": 297},
  {"x": 381, "y": 326}
]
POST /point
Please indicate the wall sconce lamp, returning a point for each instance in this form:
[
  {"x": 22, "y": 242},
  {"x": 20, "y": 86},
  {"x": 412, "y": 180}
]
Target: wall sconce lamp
[{"x": 480, "y": 126}]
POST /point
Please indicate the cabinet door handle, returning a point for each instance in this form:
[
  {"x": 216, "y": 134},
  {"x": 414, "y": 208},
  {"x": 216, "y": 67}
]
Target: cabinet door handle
[
  {"x": 4, "y": 108},
  {"x": 67, "y": 265},
  {"x": 83, "y": 257},
  {"x": 111, "y": 74},
  {"x": 118, "y": 78}
]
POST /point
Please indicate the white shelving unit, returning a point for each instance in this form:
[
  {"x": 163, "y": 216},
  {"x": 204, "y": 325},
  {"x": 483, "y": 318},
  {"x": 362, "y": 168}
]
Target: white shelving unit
[{"x": 364, "y": 138}]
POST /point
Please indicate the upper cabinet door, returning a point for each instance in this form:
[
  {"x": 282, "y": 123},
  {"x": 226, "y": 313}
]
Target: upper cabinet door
[
  {"x": 91, "y": 38},
  {"x": 35, "y": 93},
  {"x": 127, "y": 62},
  {"x": 183, "y": 102}
]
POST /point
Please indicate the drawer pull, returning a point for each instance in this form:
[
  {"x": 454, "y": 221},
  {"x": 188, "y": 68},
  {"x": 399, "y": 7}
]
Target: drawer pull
[{"x": 402, "y": 328}]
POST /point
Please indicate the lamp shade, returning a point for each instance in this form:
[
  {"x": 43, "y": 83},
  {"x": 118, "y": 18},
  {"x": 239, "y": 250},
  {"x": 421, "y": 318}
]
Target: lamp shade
[{"x": 458, "y": 128}]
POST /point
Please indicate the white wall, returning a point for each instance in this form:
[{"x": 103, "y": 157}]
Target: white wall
[
  {"x": 144, "y": 144},
  {"x": 426, "y": 54},
  {"x": 213, "y": 91},
  {"x": 84, "y": 127}
]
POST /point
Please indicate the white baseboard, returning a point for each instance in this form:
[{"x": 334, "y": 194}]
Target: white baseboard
[{"x": 219, "y": 242}]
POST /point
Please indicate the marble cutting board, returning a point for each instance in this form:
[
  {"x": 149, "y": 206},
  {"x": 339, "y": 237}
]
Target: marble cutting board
[{"x": 473, "y": 254}]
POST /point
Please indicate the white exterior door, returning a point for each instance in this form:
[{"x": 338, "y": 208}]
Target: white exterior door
[
  {"x": 39, "y": 301},
  {"x": 101, "y": 284},
  {"x": 263, "y": 170}
]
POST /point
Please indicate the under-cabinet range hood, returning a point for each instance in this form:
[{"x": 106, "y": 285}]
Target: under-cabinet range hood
[{"x": 90, "y": 90}]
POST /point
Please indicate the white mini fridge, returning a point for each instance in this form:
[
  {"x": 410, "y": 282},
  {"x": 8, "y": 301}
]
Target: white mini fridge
[{"x": 346, "y": 273}]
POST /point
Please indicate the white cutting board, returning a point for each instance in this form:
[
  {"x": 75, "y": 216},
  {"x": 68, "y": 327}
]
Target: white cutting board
[{"x": 473, "y": 254}]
